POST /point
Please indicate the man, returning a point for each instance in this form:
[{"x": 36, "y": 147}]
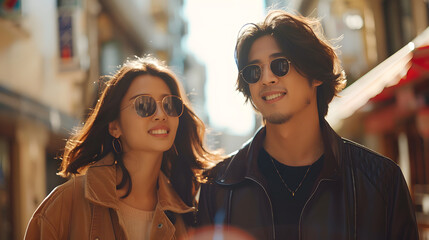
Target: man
[{"x": 297, "y": 179}]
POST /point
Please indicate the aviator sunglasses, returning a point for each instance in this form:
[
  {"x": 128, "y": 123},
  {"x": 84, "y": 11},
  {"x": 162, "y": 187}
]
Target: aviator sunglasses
[
  {"x": 252, "y": 73},
  {"x": 146, "y": 105}
]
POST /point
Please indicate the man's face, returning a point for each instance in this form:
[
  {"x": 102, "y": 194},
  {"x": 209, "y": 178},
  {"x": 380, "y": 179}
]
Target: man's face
[{"x": 279, "y": 99}]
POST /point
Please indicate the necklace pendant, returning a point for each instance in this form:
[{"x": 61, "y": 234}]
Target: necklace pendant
[{"x": 281, "y": 178}]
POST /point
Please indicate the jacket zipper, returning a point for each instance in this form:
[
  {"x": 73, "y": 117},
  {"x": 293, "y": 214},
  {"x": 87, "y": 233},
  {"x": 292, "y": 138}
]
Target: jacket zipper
[
  {"x": 271, "y": 205},
  {"x": 308, "y": 200}
]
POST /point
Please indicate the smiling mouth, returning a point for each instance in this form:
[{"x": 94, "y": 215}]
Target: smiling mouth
[
  {"x": 158, "y": 132},
  {"x": 273, "y": 96}
]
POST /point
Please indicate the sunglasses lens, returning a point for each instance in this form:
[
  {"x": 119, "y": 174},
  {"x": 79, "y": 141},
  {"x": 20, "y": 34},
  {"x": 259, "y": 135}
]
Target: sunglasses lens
[
  {"x": 280, "y": 67},
  {"x": 251, "y": 74},
  {"x": 173, "y": 106},
  {"x": 145, "y": 106}
]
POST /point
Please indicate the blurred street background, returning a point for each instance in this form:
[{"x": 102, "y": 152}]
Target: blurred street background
[{"x": 52, "y": 53}]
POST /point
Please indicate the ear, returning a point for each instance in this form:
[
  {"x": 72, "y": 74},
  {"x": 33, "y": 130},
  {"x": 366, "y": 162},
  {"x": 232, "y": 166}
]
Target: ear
[
  {"x": 114, "y": 129},
  {"x": 316, "y": 83}
]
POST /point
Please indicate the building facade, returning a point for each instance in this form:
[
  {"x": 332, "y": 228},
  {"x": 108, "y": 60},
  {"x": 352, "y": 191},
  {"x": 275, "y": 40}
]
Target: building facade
[{"x": 51, "y": 56}]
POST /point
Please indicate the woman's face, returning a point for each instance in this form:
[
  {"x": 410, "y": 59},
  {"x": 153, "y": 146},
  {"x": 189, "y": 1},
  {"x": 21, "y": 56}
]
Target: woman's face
[{"x": 155, "y": 133}]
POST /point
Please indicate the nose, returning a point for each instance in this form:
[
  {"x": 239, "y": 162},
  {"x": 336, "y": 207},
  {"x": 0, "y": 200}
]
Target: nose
[
  {"x": 159, "y": 114},
  {"x": 268, "y": 77}
]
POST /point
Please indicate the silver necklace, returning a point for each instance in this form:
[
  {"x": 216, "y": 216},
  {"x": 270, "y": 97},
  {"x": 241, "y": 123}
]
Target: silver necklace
[{"x": 284, "y": 183}]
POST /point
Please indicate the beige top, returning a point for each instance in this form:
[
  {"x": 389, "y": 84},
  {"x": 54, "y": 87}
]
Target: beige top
[{"x": 137, "y": 222}]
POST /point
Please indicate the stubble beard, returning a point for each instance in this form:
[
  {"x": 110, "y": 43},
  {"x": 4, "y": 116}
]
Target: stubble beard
[{"x": 278, "y": 118}]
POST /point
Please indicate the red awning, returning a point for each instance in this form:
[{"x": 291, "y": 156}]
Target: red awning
[
  {"x": 401, "y": 68},
  {"x": 418, "y": 70}
]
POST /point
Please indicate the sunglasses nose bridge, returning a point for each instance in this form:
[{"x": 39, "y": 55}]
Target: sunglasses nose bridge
[
  {"x": 267, "y": 76},
  {"x": 160, "y": 113}
]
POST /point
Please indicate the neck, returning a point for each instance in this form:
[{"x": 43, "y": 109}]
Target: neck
[
  {"x": 144, "y": 169},
  {"x": 298, "y": 142}
]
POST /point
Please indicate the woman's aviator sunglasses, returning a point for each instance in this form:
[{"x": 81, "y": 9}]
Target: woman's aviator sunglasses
[
  {"x": 252, "y": 73},
  {"x": 146, "y": 105}
]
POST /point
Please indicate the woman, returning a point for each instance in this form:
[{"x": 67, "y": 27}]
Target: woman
[{"x": 134, "y": 166}]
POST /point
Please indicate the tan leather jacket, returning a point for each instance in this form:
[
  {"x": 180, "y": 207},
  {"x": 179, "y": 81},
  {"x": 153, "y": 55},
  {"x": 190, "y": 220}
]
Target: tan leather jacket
[{"x": 86, "y": 207}]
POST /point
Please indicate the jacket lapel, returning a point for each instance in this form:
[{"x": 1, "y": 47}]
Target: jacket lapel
[
  {"x": 100, "y": 187},
  {"x": 168, "y": 199},
  {"x": 244, "y": 164}
]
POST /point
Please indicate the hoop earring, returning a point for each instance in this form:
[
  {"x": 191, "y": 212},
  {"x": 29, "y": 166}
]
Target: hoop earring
[{"x": 117, "y": 145}]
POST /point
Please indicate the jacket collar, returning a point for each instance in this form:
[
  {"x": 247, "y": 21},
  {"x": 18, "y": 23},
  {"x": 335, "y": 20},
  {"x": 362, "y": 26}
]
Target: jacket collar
[
  {"x": 244, "y": 163},
  {"x": 168, "y": 199},
  {"x": 100, "y": 188}
]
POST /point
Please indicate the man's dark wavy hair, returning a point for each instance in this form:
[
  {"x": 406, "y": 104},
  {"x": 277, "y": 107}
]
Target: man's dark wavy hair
[{"x": 302, "y": 42}]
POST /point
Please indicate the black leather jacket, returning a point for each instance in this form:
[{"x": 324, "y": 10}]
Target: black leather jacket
[{"x": 358, "y": 195}]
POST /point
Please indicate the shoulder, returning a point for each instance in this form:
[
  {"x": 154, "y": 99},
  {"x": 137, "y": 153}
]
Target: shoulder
[
  {"x": 369, "y": 160},
  {"x": 56, "y": 204},
  {"x": 217, "y": 171},
  {"x": 236, "y": 163},
  {"x": 379, "y": 170},
  {"x": 51, "y": 218},
  {"x": 219, "y": 168}
]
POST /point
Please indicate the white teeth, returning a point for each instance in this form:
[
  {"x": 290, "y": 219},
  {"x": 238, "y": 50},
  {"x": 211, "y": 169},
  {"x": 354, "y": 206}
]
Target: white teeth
[
  {"x": 159, "y": 131},
  {"x": 271, "y": 97}
]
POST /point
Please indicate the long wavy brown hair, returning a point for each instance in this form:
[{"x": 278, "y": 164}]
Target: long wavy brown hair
[{"x": 92, "y": 142}]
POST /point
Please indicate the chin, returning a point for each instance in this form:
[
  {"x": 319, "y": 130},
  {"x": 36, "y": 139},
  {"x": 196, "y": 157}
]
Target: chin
[{"x": 278, "y": 118}]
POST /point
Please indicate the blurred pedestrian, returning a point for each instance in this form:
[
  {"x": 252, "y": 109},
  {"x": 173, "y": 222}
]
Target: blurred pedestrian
[
  {"x": 296, "y": 178},
  {"x": 134, "y": 166}
]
